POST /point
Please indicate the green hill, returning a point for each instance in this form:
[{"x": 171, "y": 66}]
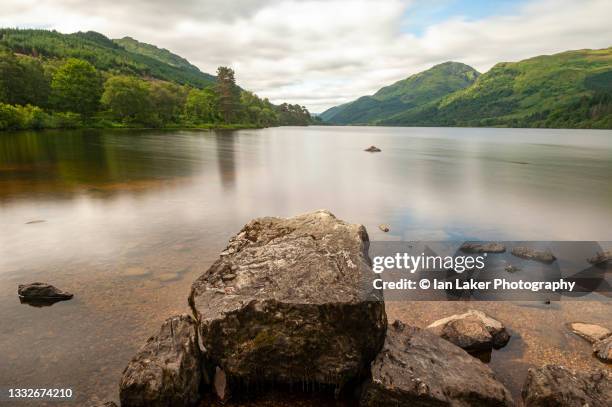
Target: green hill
[
  {"x": 570, "y": 89},
  {"x": 124, "y": 56},
  {"x": 404, "y": 96}
]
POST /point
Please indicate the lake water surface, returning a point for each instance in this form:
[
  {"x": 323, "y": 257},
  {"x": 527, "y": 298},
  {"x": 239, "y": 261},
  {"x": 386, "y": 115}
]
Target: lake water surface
[{"x": 128, "y": 219}]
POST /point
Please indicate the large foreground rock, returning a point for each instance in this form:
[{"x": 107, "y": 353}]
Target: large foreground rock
[
  {"x": 417, "y": 368},
  {"x": 557, "y": 386},
  {"x": 289, "y": 301},
  {"x": 590, "y": 332},
  {"x": 166, "y": 371},
  {"x": 473, "y": 331}
]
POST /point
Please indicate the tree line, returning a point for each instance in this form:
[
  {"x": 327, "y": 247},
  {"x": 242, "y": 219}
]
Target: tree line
[{"x": 73, "y": 93}]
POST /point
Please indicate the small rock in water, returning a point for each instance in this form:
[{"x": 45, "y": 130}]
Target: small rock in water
[
  {"x": 417, "y": 368},
  {"x": 554, "y": 385},
  {"x": 384, "y": 228},
  {"x": 373, "y": 149},
  {"x": 473, "y": 331},
  {"x": 531, "y": 254},
  {"x": 603, "y": 349},
  {"x": 136, "y": 272},
  {"x": 41, "y": 294},
  {"x": 600, "y": 258},
  {"x": 483, "y": 247},
  {"x": 35, "y": 221},
  {"x": 512, "y": 269},
  {"x": 590, "y": 332}
]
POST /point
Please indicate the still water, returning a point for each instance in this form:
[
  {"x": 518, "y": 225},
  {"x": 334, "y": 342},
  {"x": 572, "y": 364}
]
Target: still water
[{"x": 126, "y": 220}]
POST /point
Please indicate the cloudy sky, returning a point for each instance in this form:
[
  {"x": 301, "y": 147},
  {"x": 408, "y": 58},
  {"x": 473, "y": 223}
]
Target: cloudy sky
[{"x": 321, "y": 53}]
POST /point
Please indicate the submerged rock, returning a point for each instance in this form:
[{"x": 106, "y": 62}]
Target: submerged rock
[
  {"x": 41, "y": 294},
  {"x": 373, "y": 149},
  {"x": 166, "y": 371},
  {"x": 531, "y": 254},
  {"x": 552, "y": 386},
  {"x": 603, "y": 349},
  {"x": 298, "y": 307},
  {"x": 417, "y": 368},
  {"x": 512, "y": 269},
  {"x": 473, "y": 331},
  {"x": 483, "y": 247},
  {"x": 590, "y": 332}
]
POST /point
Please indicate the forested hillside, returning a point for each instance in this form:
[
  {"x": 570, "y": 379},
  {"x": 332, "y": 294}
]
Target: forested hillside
[
  {"x": 405, "y": 95},
  {"x": 567, "y": 90},
  {"x": 54, "y": 80}
]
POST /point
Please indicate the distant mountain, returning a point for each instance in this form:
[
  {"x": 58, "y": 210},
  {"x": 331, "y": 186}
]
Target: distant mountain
[
  {"x": 572, "y": 89},
  {"x": 566, "y": 90},
  {"x": 404, "y": 96},
  {"x": 125, "y": 55}
]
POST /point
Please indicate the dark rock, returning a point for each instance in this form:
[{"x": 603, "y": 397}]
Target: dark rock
[
  {"x": 166, "y": 371},
  {"x": 384, "y": 228},
  {"x": 41, "y": 294},
  {"x": 590, "y": 332},
  {"x": 483, "y": 247},
  {"x": 32, "y": 222},
  {"x": 300, "y": 309},
  {"x": 603, "y": 349},
  {"x": 473, "y": 331},
  {"x": 557, "y": 386},
  {"x": 373, "y": 149},
  {"x": 600, "y": 257},
  {"x": 532, "y": 254},
  {"x": 417, "y": 368}
]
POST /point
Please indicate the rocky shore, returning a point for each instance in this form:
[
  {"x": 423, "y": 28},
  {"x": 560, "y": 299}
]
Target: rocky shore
[{"x": 289, "y": 303}]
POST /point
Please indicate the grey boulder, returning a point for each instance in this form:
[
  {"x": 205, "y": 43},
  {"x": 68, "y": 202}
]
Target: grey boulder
[
  {"x": 473, "y": 331},
  {"x": 166, "y": 371},
  {"x": 557, "y": 386},
  {"x": 299, "y": 307},
  {"x": 417, "y": 368}
]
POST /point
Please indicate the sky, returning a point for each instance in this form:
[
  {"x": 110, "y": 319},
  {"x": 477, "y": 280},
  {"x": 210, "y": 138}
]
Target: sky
[{"x": 321, "y": 53}]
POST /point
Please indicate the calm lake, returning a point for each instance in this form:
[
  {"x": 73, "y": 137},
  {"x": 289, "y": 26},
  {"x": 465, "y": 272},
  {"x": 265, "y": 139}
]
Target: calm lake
[{"x": 126, "y": 220}]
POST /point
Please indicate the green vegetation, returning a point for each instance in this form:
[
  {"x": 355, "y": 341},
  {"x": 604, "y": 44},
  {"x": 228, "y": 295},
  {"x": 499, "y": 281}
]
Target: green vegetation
[
  {"x": 405, "y": 95},
  {"x": 568, "y": 90},
  {"x": 53, "y": 80}
]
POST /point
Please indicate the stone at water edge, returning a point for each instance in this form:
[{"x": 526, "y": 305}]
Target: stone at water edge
[
  {"x": 553, "y": 385},
  {"x": 473, "y": 331},
  {"x": 166, "y": 371},
  {"x": 590, "y": 332},
  {"x": 299, "y": 306},
  {"x": 417, "y": 368},
  {"x": 603, "y": 349}
]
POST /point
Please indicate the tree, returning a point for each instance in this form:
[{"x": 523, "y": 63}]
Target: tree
[
  {"x": 167, "y": 100},
  {"x": 128, "y": 99},
  {"x": 201, "y": 106},
  {"x": 228, "y": 94},
  {"x": 76, "y": 87},
  {"x": 22, "y": 81}
]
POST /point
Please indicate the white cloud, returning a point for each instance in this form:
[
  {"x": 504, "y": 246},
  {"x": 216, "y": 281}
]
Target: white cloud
[{"x": 322, "y": 53}]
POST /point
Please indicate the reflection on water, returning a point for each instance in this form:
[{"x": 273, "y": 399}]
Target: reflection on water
[{"x": 126, "y": 220}]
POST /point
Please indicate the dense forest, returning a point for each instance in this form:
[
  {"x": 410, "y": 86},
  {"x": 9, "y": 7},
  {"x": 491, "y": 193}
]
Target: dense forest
[
  {"x": 54, "y": 80},
  {"x": 572, "y": 89}
]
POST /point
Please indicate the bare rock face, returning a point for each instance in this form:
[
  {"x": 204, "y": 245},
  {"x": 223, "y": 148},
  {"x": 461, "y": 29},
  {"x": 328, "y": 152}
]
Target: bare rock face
[
  {"x": 298, "y": 307},
  {"x": 557, "y": 386},
  {"x": 473, "y": 247},
  {"x": 417, "y": 368},
  {"x": 603, "y": 349},
  {"x": 531, "y": 254},
  {"x": 166, "y": 371},
  {"x": 41, "y": 294},
  {"x": 473, "y": 331},
  {"x": 590, "y": 332}
]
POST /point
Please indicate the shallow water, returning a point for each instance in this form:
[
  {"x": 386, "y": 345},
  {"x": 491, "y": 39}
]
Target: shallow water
[{"x": 127, "y": 220}]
